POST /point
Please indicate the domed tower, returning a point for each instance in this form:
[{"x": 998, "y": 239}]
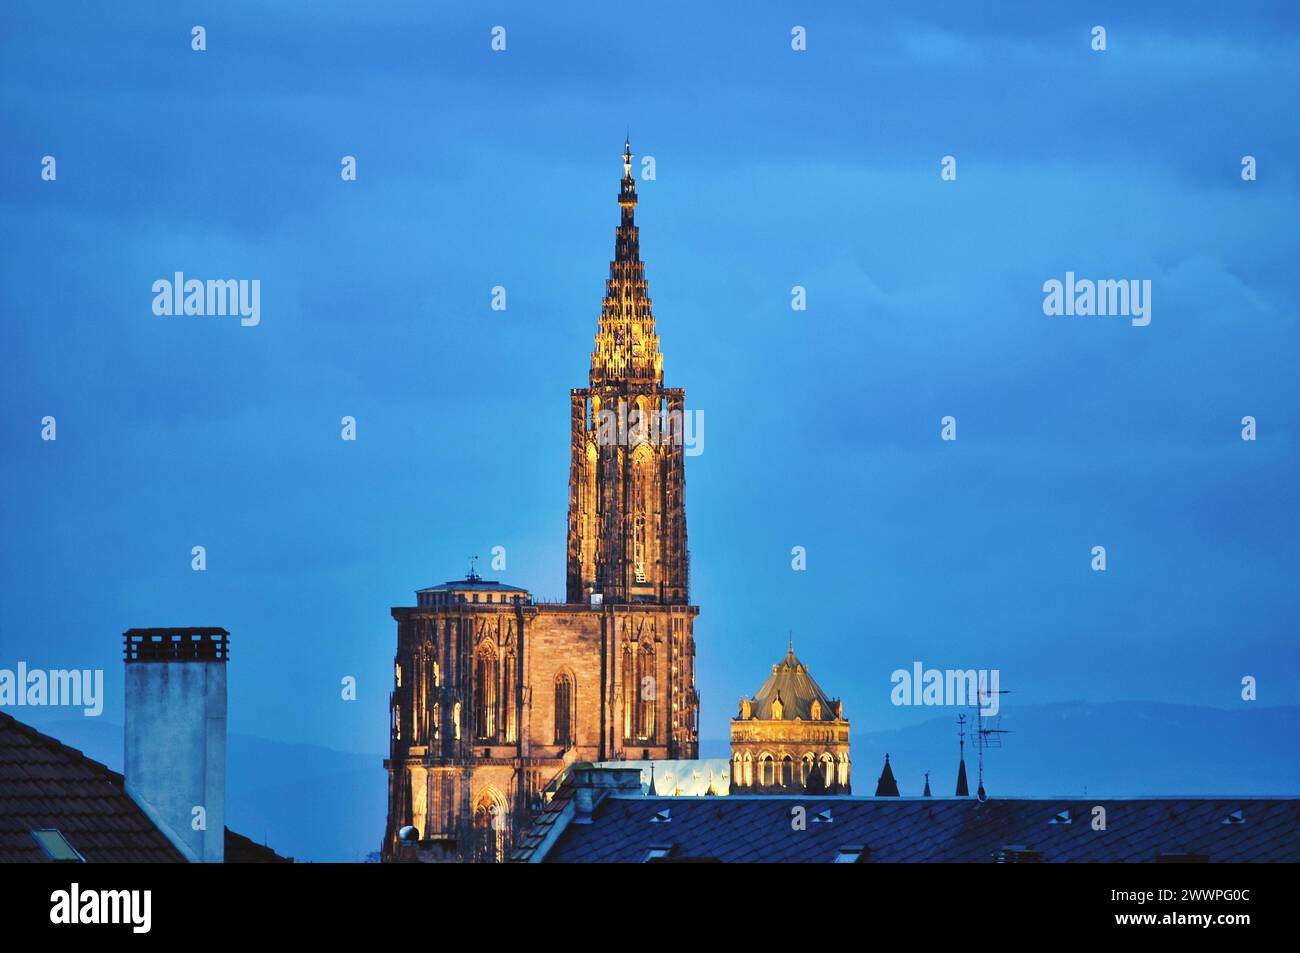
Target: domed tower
[{"x": 790, "y": 737}]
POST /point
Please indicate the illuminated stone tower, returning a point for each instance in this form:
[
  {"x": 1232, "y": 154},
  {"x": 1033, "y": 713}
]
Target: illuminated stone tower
[
  {"x": 790, "y": 737},
  {"x": 496, "y": 696},
  {"x": 627, "y": 520}
]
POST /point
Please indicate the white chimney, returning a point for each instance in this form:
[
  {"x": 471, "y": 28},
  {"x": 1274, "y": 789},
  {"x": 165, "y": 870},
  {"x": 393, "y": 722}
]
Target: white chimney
[{"x": 176, "y": 735}]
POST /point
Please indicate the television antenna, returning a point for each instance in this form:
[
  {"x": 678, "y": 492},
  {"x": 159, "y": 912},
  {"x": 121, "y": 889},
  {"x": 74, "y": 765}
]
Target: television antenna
[{"x": 988, "y": 731}]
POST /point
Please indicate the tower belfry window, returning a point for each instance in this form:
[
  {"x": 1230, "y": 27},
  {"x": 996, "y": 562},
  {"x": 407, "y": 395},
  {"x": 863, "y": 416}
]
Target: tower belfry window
[
  {"x": 485, "y": 694},
  {"x": 509, "y": 716},
  {"x": 639, "y": 694},
  {"x": 563, "y": 710}
]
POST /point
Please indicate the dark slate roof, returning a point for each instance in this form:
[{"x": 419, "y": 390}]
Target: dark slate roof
[
  {"x": 242, "y": 850},
  {"x": 797, "y": 689},
  {"x": 756, "y": 828},
  {"x": 543, "y": 824},
  {"x": 46, "y": 784}
]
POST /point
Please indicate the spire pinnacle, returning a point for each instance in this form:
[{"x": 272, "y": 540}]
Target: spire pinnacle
[
  {"x": 962, "y": 789},
  {"x": 627, "y": 189},
  {"x": 887, "y": 786},
  {"x": 627, "y": 347}
]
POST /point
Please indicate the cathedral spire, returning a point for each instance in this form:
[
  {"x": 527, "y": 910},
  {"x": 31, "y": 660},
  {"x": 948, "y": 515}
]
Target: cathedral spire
[
  {"x": 627, "y": 193},
  {"x": 627, "y": 347},
  {"x": 627, "y": 516}
]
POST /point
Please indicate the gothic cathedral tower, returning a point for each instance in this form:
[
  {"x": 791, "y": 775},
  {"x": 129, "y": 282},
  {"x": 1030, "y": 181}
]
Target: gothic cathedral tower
[
  {"x": 496, "y": 695},
  {"x": 627, "y": 521}
]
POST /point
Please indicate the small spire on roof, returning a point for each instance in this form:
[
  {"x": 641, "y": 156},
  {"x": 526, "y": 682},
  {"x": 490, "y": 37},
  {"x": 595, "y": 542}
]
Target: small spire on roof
[
  {"x": 927, "y": 785},
  {"x": 963, "y": 790},
  {"x": 887, "y": 786}
]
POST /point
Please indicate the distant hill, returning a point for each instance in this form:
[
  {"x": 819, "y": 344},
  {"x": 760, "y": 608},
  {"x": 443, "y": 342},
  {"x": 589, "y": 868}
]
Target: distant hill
[
  {"x": 1111, "y": 749},
  {"x": 318, "y": 804}
]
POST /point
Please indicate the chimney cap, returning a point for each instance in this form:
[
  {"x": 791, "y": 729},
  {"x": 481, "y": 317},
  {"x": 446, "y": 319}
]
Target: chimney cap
[{"x": 187, "y": 644}]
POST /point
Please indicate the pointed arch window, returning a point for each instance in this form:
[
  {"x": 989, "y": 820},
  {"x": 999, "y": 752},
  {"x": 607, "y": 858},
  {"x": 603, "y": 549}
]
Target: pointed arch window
[
  {"x": 630, "y": 693},
  {"x": 640, "y": 693},
  {"x": 647, "y": 690},
  {"x": 563, "y": 710},
  {"x": 485, "y": 693},
  {"x": 509, "y": 710},
  {"x": 643, "y": 489},
  {"x": 490, "y": 828}
]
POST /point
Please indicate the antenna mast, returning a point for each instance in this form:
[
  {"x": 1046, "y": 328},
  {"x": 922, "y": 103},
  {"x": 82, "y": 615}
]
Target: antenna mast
[{"x": 986, "y": 737}]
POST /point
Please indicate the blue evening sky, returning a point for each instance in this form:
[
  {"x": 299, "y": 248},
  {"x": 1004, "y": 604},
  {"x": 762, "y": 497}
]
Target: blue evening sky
[{"x": 775, "y": 168}]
